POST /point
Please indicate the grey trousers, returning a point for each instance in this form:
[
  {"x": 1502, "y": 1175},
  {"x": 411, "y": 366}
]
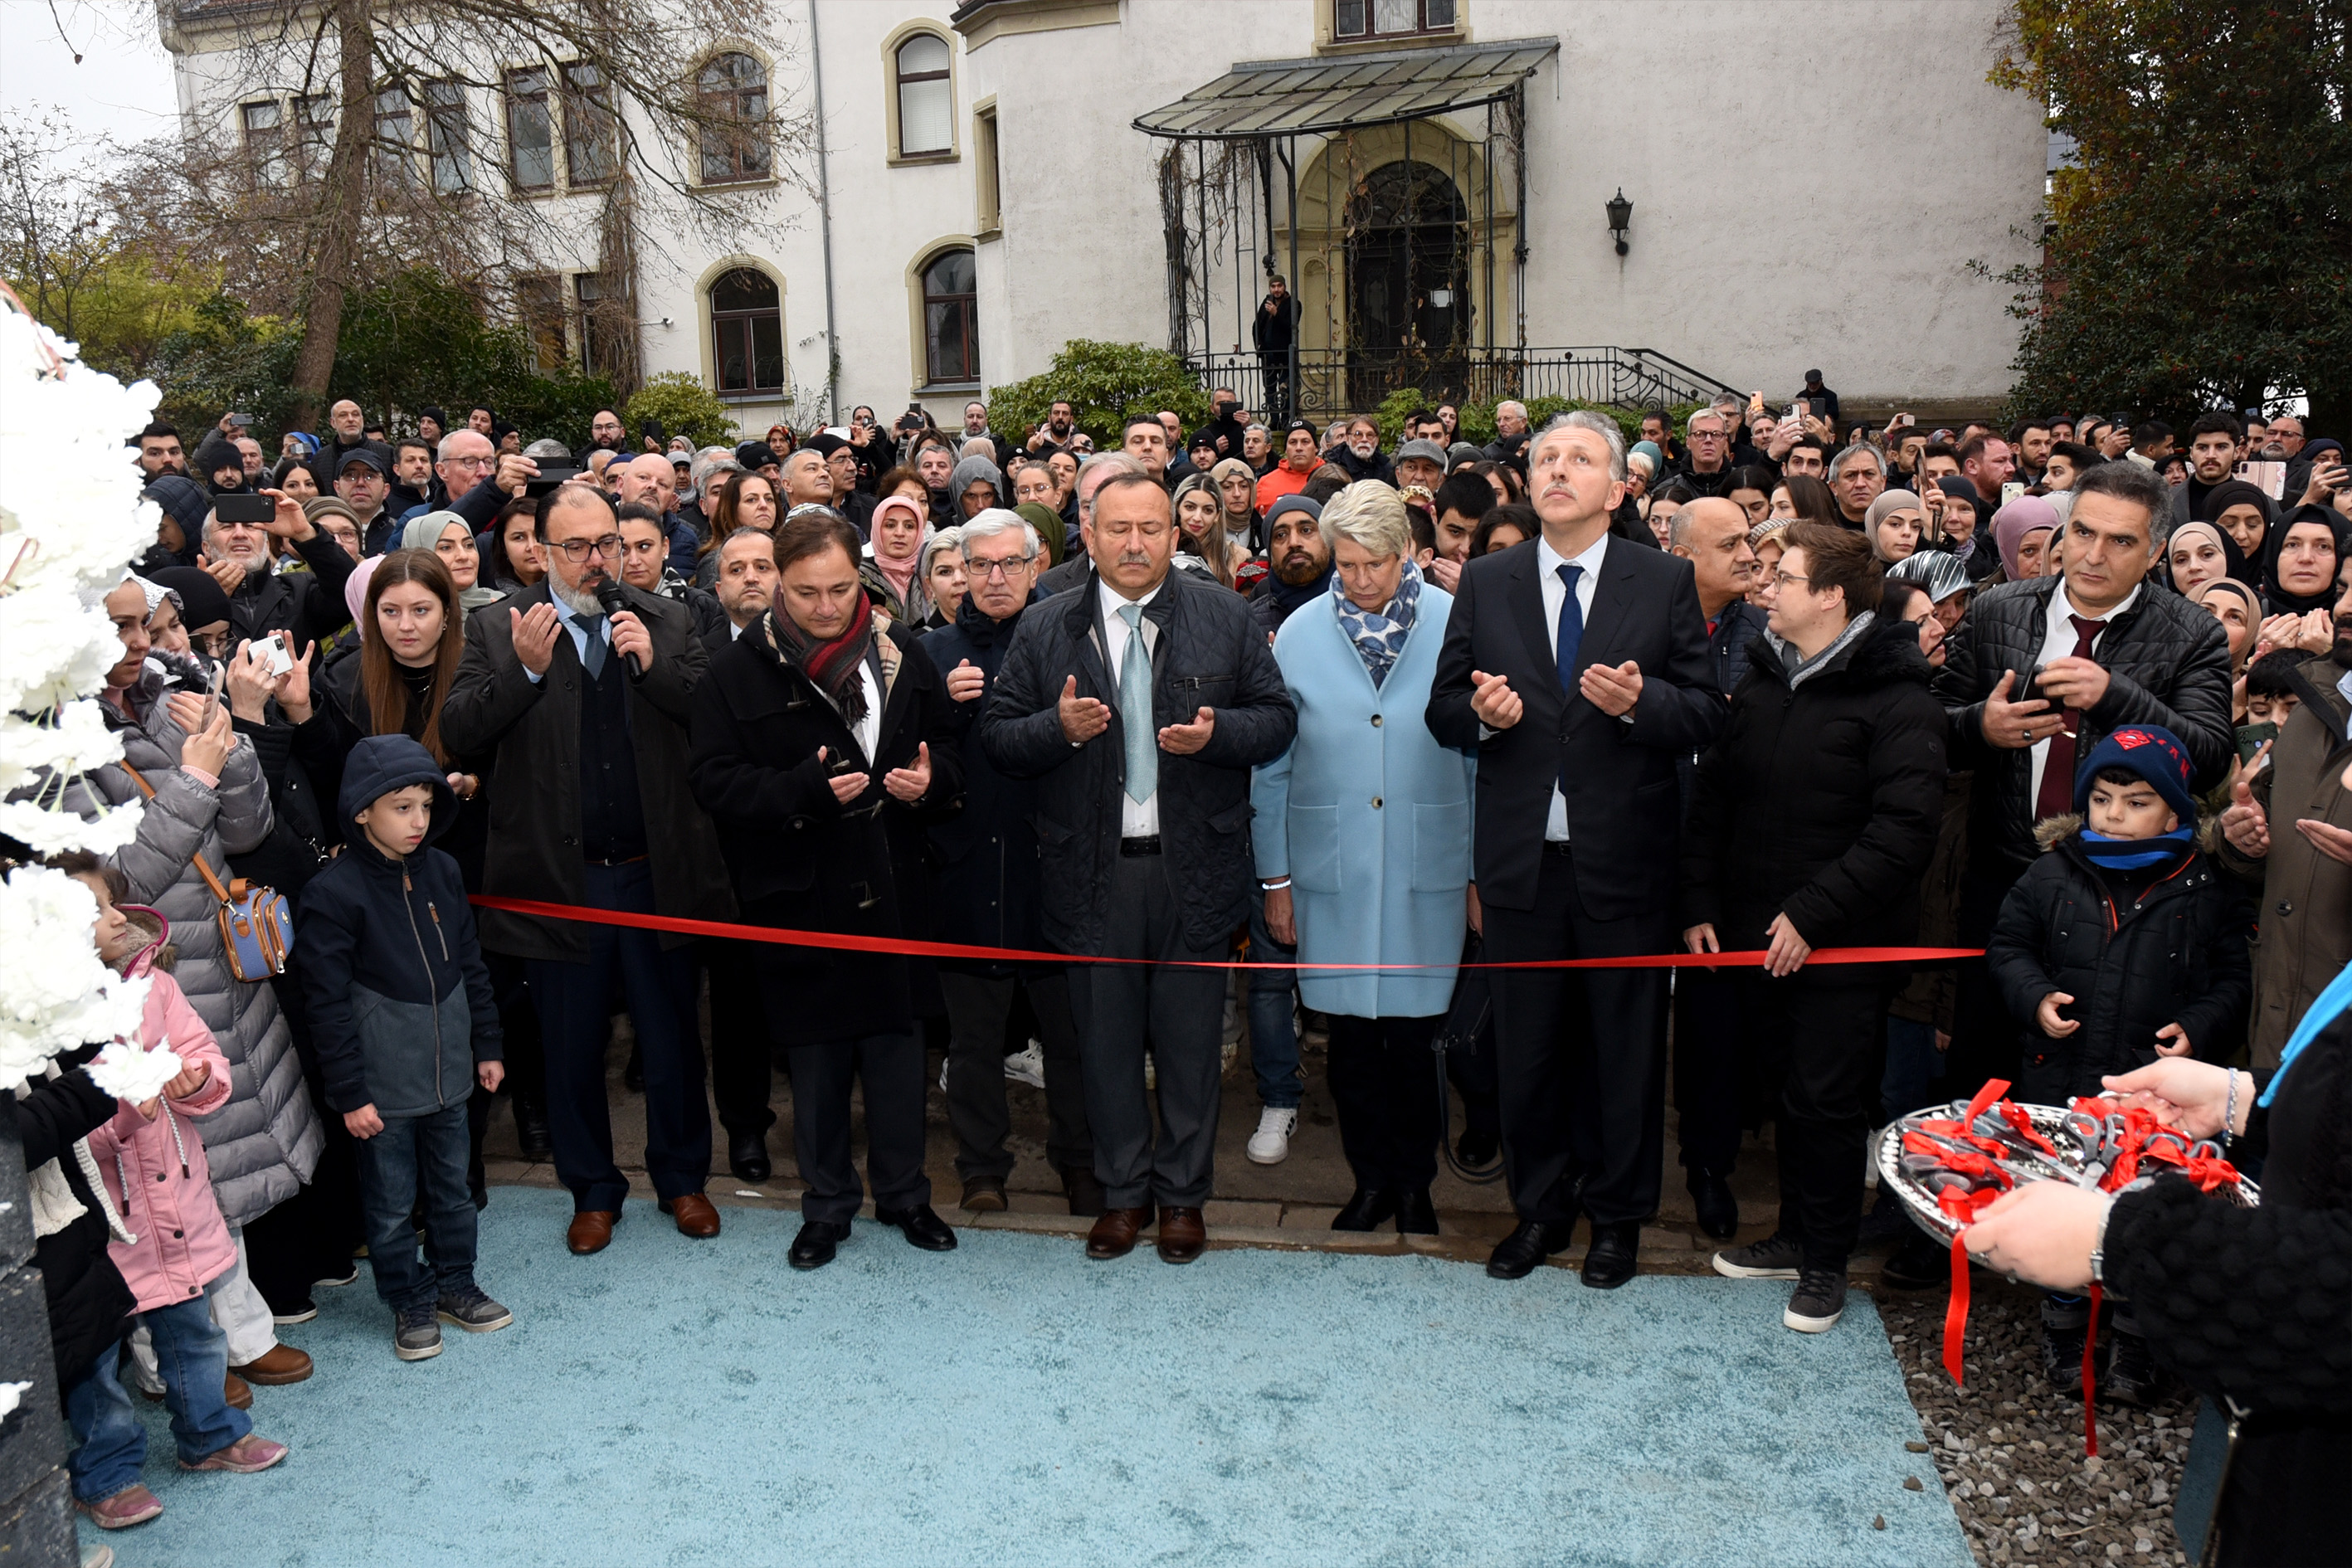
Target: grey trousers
[
  {"x": 977, "y": 1008},
  {"x": 1180, "y": 1012}
]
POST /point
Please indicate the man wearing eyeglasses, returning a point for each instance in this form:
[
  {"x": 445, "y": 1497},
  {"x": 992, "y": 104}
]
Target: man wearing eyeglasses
[
  {"x": 585, "y": 715},
  {"x": 1708, "y": 466},
  {"x": 476, "y": 479}
]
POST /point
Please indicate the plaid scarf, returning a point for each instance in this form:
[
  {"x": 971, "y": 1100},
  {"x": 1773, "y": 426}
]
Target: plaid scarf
[
  {"x": 1379, "y": 635},
  {"x": 832, "y": 667}
]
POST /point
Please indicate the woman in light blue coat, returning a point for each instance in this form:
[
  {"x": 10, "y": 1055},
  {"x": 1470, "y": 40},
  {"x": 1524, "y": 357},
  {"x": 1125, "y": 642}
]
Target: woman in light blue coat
[{"x": 1362, "y": 833}]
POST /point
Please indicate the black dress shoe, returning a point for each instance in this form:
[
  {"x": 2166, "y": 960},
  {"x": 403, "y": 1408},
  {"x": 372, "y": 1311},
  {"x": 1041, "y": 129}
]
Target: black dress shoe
[
  {"x": 1610, "y": 1262},
  {"x": 747, "y": 1156},
  {"x": 633, "y": 1076},
  {"x": 1086, "y": 1192},
  {"x": 922, "y": 1227},
  {"x": 531, "y": 1129},
  {"x": 1416, "y": 1215},
  {"x": 1366, "y": 1210},
  {"x": 1529, "y": 1244},
  {"x": 1718, "y": 1211},
  {"x": 1477, "y": 1149},
  {"x": 813, "y": 1248}
]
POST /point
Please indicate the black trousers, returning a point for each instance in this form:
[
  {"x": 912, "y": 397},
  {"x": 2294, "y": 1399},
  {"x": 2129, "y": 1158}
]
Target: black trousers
[
  {"x": 1708, "y": 1069},
  {"x": 1984, "y": 1037},
  {"x": 742, "y": 1059},
  {"x": 313, "y": 1235},
  {"x": 1276, "y": 367},
  {"x": 1818, "y": 1034},
  {"x": 1180, "y": 1012},
  {"x": 575, "y": 1016},
  {"x": 978, "y": 1006},
  {"x": 1580, "y": 1055},
  {"x": 890, "y": 1069},
  {"x": 1384, "y": 1082}
]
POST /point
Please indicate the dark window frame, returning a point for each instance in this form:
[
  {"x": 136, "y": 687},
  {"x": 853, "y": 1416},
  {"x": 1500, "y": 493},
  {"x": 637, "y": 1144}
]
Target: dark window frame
[
  {"x": 743, "y": 154},
  {"x": 902, "y": 79},
  {"x": 1365, "y": 15},
  {"x": 740, "y": 327},
  {"x": 528, "y": 90},
  {"x": 960, "y": 309}
]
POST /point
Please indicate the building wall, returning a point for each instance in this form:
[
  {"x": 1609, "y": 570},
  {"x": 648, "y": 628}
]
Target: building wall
[{"x": 1754, "y": 254}]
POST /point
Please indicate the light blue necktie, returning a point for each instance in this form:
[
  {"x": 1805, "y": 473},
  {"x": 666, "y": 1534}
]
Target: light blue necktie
[
  {"x": 592, "y": 655},
  {"x": 1135, "y": 710}
]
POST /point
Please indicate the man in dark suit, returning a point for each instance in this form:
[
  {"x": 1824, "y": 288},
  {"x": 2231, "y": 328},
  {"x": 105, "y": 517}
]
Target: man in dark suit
[
  {"x": 1579, "y": 668},
  {"x": 1140, "y": 701},
  {"x": 587, "y": 713}
]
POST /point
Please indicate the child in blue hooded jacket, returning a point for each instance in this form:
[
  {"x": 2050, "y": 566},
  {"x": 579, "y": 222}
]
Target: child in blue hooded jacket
[{"x": 402, "y": 1013}]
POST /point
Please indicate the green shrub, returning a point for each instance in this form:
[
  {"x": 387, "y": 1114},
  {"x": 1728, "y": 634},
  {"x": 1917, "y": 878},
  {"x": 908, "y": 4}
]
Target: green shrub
[
  {"x": 685, "y": 406},
  {"x": 1106, "y": 385}
]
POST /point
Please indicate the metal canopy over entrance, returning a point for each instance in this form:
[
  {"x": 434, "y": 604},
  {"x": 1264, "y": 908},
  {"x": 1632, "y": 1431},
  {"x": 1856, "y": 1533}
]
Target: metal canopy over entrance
[{"x": 1412, "y": 179}]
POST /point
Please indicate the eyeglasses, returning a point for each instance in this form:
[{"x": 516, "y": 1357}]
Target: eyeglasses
[
  {"x": 578, "y": 550},
  {"x": 985, "y": 571},
  {"x": 487, "y": 460},
  {"x": 1783, "y": 579}
]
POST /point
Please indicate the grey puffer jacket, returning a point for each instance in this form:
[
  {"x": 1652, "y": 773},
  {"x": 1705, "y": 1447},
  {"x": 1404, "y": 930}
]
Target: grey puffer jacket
[{"x": 264, "y": 1143}]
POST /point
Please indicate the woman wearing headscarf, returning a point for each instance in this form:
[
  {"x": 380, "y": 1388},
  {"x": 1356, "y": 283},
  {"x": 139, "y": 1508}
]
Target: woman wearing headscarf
[
  {"x": 1352, "y": 884},
  {"x": 2246, "y": 514},
  {"x": 2014, "y": 527},
  {"x": 892, "y": 567},
  {"x": 973, "y": 486},
  {"x": 1049, "y": 526},
  {"x": 2240, "y": 610},
  {"x": 2302, "y": 556},
  {"x": 2199, "y": 554},
  {"x": 451, "y": 538},
  {"x": 1895, "y": 525},
  {"x": 942, "y": 577},
  {"x": 1236, "y": 484}
]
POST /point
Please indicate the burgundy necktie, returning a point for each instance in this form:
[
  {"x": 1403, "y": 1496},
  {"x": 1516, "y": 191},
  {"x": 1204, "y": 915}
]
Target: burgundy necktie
[{"x": 2056, "y": 796}]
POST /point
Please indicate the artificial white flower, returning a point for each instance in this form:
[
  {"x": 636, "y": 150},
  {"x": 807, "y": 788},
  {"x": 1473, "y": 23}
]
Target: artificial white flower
[
  {"x": 125, "y": 1071},
  {"x": 56, "y": 994}
]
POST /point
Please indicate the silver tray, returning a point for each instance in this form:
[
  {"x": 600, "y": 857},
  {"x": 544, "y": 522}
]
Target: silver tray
[{"x": 2071, "y": 1166}]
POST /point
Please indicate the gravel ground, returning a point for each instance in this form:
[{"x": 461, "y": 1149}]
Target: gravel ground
[{"x": 2008, "y": 1451}]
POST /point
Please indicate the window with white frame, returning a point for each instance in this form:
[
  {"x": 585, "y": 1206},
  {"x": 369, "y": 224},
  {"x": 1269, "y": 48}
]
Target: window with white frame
[
  {"x": 747, "y": 331},
  {"x": 926, "y": 97}
]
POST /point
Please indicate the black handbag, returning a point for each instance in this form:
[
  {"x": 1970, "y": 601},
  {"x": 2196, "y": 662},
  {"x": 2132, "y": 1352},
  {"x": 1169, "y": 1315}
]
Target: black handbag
[{"x": 1468, "y": 1018}]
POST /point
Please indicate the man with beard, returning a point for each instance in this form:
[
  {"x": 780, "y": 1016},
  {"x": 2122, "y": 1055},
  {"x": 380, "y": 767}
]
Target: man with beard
[
  {"x": 361, "y": 482},
  {"x": 2297, "y": 846},
  {"x": 160, "y": 453},
  {"x": 2214, "y": 453},
  {"x": 585, "y": 713},
  {"x": 1300, "y": 558},
  {"x": 1360, "y": 454},
  {"x": 1054, "y": 435},
  {"x": 605, "y": 435},
  {"x": 306, "y": 606}
]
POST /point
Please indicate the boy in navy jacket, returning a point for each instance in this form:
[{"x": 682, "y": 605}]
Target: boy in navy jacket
[{"x": 402, "y": 1013}]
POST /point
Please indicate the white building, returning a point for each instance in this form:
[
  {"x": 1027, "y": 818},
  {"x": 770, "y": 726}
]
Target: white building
[{"x": 1808, "y": 183}]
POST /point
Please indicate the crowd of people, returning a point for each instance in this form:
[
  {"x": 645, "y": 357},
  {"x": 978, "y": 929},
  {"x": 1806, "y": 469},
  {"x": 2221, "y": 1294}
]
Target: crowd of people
[{"x": 1365, "y": 710}]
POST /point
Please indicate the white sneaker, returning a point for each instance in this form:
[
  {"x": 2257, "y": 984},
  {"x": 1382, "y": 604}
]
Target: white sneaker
[
  {"x": 1270, "y": 1144},
  {"x": 1028, "y": 1065},
  {"x": 944, "y": 1077}
]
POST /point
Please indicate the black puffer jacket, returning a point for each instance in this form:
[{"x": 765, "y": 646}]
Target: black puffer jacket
[
  {"x": 2175, "y": 954},
  {"x": 1822, "y": 803},
  {"x": 88, "y": 1299},
  {"x": 1210, "y": 654},
  {"x": 308, "y": 606},
  {"x": 989, "y": 888},
  {"x": 2255, "y": 1306},
  {"x": 2168, "y": 663}
]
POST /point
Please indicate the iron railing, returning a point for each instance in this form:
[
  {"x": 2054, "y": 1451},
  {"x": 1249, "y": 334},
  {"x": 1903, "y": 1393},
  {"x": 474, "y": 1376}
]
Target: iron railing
[{"x": 1333, "y": 382}]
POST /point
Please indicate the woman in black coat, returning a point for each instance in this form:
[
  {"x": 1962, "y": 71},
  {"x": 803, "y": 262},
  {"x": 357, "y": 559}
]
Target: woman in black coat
[
  {"x": 1814, "y": 816},
  {"x": 88, "y": 1303},
  {"x": 822, "y": 747},
  {"x": 2253, "y": 1308}
]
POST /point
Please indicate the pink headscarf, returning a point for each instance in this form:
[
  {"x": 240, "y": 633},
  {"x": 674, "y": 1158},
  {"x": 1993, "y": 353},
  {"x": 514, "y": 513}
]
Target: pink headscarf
[
  {"x": 355, "y": 591},
  {"x": 2012, "y": 522}
]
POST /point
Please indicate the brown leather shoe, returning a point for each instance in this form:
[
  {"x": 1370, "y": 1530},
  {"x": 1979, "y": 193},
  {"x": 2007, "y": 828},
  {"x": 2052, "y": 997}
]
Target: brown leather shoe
[
  {"x": 280, "y": 1363},
  {"x": 1114, "y": 1235},
  {"x": 591, "y": 1231},
  {"x": 695, "y": 1215},
  {"x": 984, "y": 1196},
  {"x": 1183, "y": 1234},
  {"x": 238, "y": 1393}
]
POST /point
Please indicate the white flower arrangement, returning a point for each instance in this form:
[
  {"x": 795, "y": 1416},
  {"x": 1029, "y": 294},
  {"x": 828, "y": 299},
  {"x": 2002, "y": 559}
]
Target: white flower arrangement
[
  {"x": 67, "y": 523},
  {"x": 127, "y": 1072}
]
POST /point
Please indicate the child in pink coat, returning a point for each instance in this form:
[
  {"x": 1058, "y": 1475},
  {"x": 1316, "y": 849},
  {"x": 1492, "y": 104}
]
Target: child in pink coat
[{"x": 153, "y": 1164}]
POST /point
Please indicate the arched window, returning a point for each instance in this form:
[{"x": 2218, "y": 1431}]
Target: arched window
[
  {"x": 746, "y": 326},
  {"x": 733, "y": 88},
  {"x": 926, "y": 97},
  {"x": 951, "y": 322}
]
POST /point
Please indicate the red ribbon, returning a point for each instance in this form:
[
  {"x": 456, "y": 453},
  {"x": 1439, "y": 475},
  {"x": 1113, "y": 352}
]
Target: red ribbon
[
  {"x": 2091, "y": 1378},
  {"x": 907, "y": 947},
  {"x": 1963, "y": 1207}
]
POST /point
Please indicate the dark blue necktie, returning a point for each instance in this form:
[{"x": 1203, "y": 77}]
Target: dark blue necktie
[{"x": 1571, "y": 628}]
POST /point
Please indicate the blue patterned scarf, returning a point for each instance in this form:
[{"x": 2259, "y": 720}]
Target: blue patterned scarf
[{"x": 1379, "y": 636}]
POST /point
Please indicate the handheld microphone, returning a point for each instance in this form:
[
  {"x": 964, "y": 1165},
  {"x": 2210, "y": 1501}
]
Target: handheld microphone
[{"x": 608, "y": 595}]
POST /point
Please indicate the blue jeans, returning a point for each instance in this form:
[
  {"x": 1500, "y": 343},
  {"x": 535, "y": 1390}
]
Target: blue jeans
[
  {"x": 1274, "y": 1043},
  {"x": 112, "y": 1444},
  {"x": 1912, "y": 1067},
  {"x": 417, "y": 1155}
]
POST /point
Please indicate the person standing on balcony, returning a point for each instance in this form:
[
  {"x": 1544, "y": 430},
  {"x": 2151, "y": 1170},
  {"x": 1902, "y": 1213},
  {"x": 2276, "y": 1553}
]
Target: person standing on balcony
[{"x": 1274, "y": 332}]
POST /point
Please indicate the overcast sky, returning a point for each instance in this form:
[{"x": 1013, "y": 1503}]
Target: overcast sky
[{"x": 122, "y": 85}]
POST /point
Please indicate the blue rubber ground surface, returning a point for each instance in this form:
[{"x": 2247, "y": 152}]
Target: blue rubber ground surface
[{"x": 670, "y": 1401}]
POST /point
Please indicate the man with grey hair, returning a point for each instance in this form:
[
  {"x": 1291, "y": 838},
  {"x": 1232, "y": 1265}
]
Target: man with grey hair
[
  {"x": 989, "y": 896},
  {"x": 1093, "y": 474},
  {"x": 1580, "y": 732},
  {"x": 1857, "y": 476},
  {"x": 243, "y": 559},
  {"x": 710, "y": 470},
  {"x": 1706, "y": 465},
  {"x": 479, "y": 480}
]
